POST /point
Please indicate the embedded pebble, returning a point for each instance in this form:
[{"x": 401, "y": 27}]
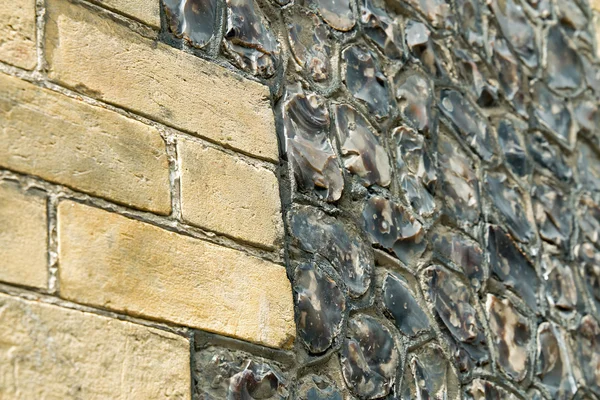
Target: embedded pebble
[{"x": 369, "y": 358}]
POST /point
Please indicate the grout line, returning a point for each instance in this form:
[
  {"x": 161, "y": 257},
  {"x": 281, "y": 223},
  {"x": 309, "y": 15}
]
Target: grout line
[
  {"x": 174, "y": 175},
  {"x": 53, "y": 283},
  {"x": 40, "y": 16}
]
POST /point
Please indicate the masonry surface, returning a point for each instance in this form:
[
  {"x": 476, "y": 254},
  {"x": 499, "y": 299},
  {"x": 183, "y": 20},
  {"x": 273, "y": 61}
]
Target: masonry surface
[{"x": 313, "y": 200}]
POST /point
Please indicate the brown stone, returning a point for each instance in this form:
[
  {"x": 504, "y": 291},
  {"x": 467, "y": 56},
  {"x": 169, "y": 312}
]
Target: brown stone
[
  {"x": 23, "y": 237},
  {"x": 17, "y": 33},
  {"x": 87, "y": 148},
  {"x": 121, "y": 67},
  {"x": 225, "y": 194},
  {"x": 110, "y": 261},
  {"x": 48, "y": 352}
]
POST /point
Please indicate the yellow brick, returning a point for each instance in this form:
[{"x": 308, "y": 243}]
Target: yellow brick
[
  {"x": 96, "y": 55},
  {"x": 23, "y": 237},
  {"x": 48, "y": 352},
  {"x": 17, "y": 33},
  {"x": 87, "y": 148},
  {"x": 147, "y": 11},
  {"x": 595, "y": 5},
  {"x": 224, "y": 194},
  {"x": 129, "y": 266}
]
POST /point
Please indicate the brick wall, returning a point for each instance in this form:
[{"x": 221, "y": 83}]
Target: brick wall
[
  {"x": 139, "y": 202},
  {"x": 300, "y": 199}
]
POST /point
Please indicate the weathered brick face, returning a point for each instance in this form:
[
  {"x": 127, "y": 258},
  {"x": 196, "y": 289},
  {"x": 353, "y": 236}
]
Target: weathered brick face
[
  {"x": 157, "y": 81},
  {"x": 278, "y": 200},
  {"x": 24, "y": 236},
  {"x": 85, "y": 147},
  {"x": 55, "y": 352},
  {"x": 18, "y": 33},
  {"x": 113, "y": 262}
]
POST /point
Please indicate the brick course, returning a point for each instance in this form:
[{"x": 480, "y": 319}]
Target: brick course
[
  {"x": 164, "y": 84},
  {"x": 113, "y": 262},
  {"x": 88, "y": 148},
  {"x": 48, "y": 352}
]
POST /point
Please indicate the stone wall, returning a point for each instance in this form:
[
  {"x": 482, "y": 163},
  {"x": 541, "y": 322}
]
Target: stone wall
[{"x": 299, "y": 199}]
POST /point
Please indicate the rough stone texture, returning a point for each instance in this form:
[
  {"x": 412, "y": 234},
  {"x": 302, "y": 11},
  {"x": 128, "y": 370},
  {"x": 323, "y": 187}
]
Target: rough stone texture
[
  {"x": 88, "y": 148},
  {"x": 47, "y": 352},
  {"x": 165, "y": 84},
  {"x": 114, "y": 262},
  {"x": 23, "y": 237},
  {"x": 147, "y": 11},
  {"x": 17, "y": 33},
  {"x": 225, "y": 194}
]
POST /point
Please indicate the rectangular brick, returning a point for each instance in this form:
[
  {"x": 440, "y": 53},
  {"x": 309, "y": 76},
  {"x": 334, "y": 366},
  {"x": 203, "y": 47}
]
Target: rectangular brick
[
  {"x": 146, "y": 11},
  {"x": 98, "y": 56},
  {"x": 23, "y": 237},
  {"x": 110, "y": 261},
  {"x": 18, "y": 33},
  {"x": 88, "y": 148},
  {"x": 225, "y": 194},
  {"x": 48, "y": 352}
]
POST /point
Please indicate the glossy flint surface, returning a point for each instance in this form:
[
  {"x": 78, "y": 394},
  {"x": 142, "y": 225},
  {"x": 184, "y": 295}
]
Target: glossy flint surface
[
  {"x": 415, "y": 99},
  {"x": 454, "y": 305},
  {"x": 553, "y": 366},
  {"x": 513, "y": 206},
  {"x": 315, "y": 387},
  {"x": 586, "y": 343},
  {"x": 437, "y": 12},
  {"x": 311, "y": 44},
  {"x": 337, "y": 13},
  {"x": 511, "y": 336},
  {"x": 510, "y": 266},
  {"x": 221, "y": 373},
  {"x": 319, "y": 234},
  {"x": 362, "y": 148},
  {"x": 465, "y": 254},
  {"x": 459, "y": 185},
  {"x": 515, "y": 153},
  {"x": 382, "y": 27},
  {"x": 193, "y": 20},
  {"x": 516, "y": 28},
  {"x": 562, "y": 292},
  {"x": 401, "y": 305},
  {"x": 390, "y": 226},
  {"x": 415, "y": 170},
  {"x": 434, "y": 57},
  {"x": 468, "y": 122},
  {"x": 369, "y": 358},
  {"x": 440, "y": 181},
  {"x": 307, "y": 144},
  {"x": 249, "y": 40},
  {"x": 431, "y": 372},
  {"x": 366, "y": 82},
  {"x": 481, "y": 389},
  {"x": 552, "y": 213},
  {"x": 320, "y": 304},
  {"x": 553, "y": 114}
]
